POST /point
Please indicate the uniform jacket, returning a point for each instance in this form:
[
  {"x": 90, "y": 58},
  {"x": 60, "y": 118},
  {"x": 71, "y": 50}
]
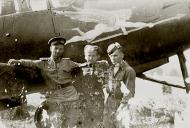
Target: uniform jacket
[
  {"x": 55, "y": 74},
  {"x": 125, "y": 74}
]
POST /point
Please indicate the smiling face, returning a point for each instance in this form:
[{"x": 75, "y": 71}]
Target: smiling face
[
  {"x": 57, "y": 51},
  {"x": 116, "y": 57}
]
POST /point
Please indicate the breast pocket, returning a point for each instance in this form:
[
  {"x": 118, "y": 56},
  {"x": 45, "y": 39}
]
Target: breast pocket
[
  {"x": 120, "y": 76},
  {"x": 64, "y": 73},
  {"x": 87, "y": 71},
  {"x": 65, "y": 69},
  {"x": 50, "y": 71}
]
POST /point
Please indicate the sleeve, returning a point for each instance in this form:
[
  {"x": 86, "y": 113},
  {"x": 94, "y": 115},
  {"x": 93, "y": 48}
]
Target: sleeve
[
  {"x": 73, "y": 64},
  {"x": 75, "y": 68},
  {"x": 104, "y": 64},
  {"x": 32, "y": 63},
  {"x": 129, "y": 81}
]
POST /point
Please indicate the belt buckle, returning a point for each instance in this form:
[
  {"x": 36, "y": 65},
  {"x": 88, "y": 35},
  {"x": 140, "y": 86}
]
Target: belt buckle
[
  {"x": 91, "y": 94},
  {"x": 96, "y": 93},
  {"x": 59, "y": 86},
  {"x": 113, "y": 95}
]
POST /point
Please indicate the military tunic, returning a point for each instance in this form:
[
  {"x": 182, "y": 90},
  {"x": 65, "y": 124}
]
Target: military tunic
[
  {"x": 90, "y": 88},
  {"x": 123, "y": 74},
  {"x": 62, "y": 96}
]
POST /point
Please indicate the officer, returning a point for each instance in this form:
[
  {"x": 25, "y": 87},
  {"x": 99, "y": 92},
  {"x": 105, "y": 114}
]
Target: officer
[
  {"x": 62, "y": 96},
  {"x": 121, "y": 74}
]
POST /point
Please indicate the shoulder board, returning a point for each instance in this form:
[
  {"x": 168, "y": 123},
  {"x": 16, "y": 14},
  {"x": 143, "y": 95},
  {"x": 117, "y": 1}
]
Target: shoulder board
[
  {"x": 103, "y": 61},
  {"x": 44, "y": 59},
  {"x": 65, "y": 58},
  {"x": 83, "y": 65}
]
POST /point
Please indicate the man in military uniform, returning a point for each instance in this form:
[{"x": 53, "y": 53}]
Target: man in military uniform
[
  {"x": 90, "y": 87},
  {"x": 120, "y": 74},
  {"x": 62, "y": 97}
]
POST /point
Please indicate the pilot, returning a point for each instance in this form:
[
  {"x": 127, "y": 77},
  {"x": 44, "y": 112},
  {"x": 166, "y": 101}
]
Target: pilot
[
  {"x": 120, "y": 87},
  {"x": 62, "y": 96},
  {"x": 90, "y": 87}
]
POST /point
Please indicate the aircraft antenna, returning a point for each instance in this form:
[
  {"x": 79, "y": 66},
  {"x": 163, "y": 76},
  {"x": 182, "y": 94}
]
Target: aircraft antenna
[
  {"x": 49, "y": 4},
  {"x": 49, "y": 7}
]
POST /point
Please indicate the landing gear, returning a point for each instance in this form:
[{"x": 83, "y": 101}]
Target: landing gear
[
  {"x": 182, "y": 61},
  {"x": 41, "y": 117}
]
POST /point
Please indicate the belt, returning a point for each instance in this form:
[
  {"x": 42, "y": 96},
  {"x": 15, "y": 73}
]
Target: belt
[
  {"x": 56, "y": 87},
  {"x": 116, "y": 96},
  {"x": 60, "y": 86}
]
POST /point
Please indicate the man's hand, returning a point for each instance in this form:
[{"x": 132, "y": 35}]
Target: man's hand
[
  {"x": 124, "y": 89},
  {"x": 14, "y": 62},
  {"x": 122, "y": 106}
]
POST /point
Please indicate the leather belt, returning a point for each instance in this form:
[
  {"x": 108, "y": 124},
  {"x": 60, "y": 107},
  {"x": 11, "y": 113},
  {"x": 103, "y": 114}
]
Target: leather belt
[
  {"x": 116, "y": 96},
  {"x": 60, "y": 86}
]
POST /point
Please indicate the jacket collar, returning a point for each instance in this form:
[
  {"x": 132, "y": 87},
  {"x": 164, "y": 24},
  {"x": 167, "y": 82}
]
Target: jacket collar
[{"x": 121, "y": 66}]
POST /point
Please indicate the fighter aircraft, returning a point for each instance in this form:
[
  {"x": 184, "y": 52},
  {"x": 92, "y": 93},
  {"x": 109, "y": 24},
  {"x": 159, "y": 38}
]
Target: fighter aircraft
[{"x": 150, "y": 35}]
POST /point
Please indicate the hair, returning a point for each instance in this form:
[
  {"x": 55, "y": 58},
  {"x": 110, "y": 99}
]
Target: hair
[{"x": 93, "y": 48}]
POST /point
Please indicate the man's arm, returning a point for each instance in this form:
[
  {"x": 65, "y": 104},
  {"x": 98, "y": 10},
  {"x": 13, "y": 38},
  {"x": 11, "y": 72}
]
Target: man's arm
[
  {"x": 74, "y": 64},
  {"x": 129, "y": 82},
  {"x": 75, "y": 68},
  {"x": 26, "y": 63}
]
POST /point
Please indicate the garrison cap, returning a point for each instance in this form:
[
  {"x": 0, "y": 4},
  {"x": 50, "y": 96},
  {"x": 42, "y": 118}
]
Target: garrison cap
[
  {"x": 57, "y": 40},
  {"x": 113, "y": 47},
  {"x": 92, "y": 48}
]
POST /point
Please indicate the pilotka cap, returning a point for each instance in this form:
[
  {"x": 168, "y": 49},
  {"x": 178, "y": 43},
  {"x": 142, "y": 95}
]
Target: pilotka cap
[
  {"x": 57, "y": 40},
  {"x": 113, "y": 47}
]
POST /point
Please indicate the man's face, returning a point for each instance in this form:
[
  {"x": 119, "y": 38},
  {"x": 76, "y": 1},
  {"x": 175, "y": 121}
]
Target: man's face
[
  {"x": 116, "y": 57},
  {"x": 57, "y": 50},
  {"x": 91, "y": 56}
]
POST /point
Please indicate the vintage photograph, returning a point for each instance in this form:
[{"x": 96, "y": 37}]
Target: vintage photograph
[{"x": 94, "y": 63}]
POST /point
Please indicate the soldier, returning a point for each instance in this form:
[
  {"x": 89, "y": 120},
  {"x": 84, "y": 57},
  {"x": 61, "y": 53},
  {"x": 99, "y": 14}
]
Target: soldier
[
  {"x": 62, "y": 99},
  {"x": 90, "y": 87},
  {"x": 120, "y": 74}
]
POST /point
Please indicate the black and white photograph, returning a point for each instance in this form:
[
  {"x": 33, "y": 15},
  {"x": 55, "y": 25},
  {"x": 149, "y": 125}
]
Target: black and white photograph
[{"x": 94, "y": 63}]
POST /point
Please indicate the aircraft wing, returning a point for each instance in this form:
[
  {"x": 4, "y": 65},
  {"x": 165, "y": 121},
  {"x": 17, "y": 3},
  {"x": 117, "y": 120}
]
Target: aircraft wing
[
  {"x": 142, "y": 51},
  {"x": 147, "y": 44}
]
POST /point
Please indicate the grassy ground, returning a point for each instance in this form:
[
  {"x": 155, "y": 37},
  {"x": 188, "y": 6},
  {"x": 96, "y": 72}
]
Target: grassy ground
[{"x": 149, "y": 109}]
